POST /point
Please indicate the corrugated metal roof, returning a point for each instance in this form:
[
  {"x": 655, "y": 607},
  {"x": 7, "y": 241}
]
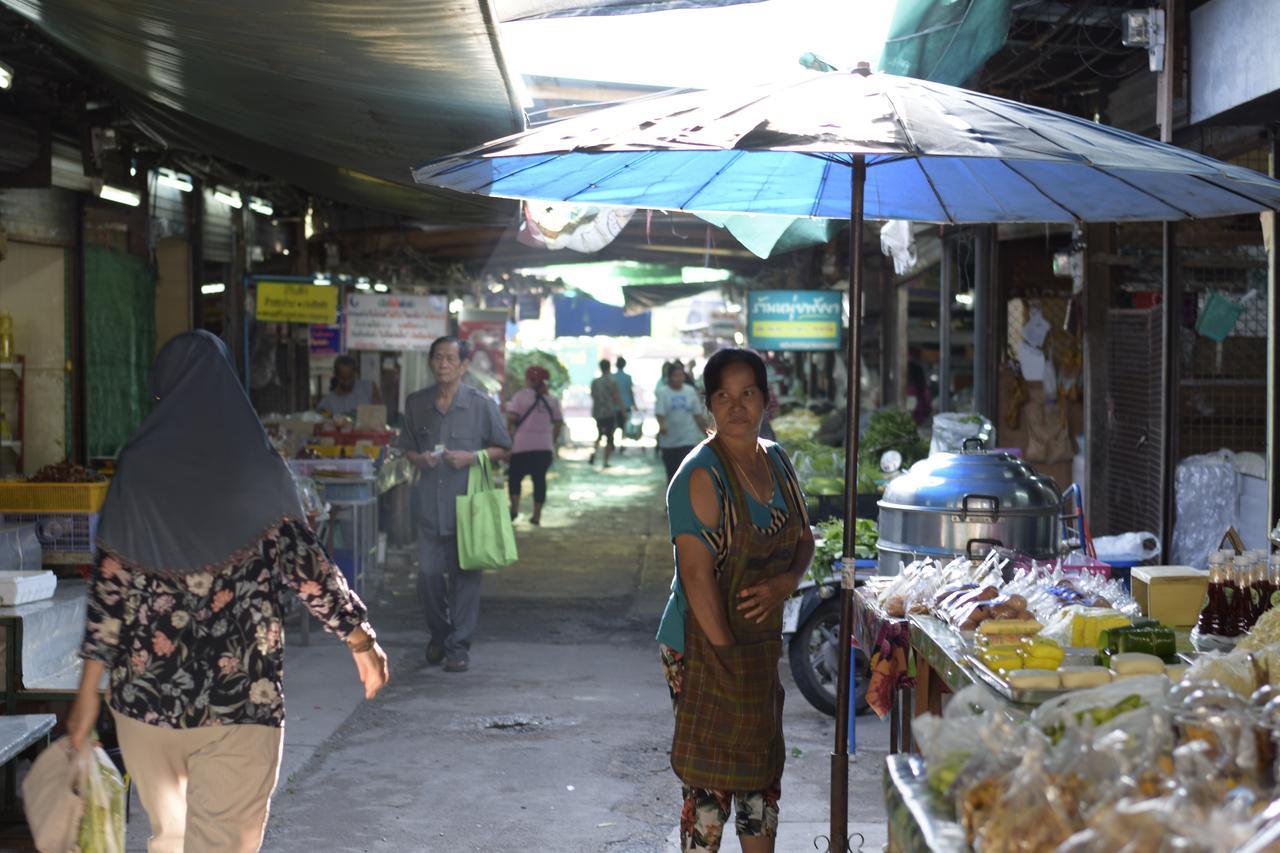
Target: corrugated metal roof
[{"x": 338, "y": 96}]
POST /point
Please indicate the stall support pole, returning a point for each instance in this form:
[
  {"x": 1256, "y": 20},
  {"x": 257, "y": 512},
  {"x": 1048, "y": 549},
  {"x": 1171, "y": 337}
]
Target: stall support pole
[
  {"x": 944, "y": 325},
  {"x": 983, "y": 345},
  {"x": 838, "y": 837},
  {"x": 1171, "y": 294},
  {"x": 1272, "y": 224}
]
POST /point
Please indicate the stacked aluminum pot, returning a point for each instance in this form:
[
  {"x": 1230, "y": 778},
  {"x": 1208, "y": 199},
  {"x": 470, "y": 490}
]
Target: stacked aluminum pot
[{"x": 954, "y": 504}]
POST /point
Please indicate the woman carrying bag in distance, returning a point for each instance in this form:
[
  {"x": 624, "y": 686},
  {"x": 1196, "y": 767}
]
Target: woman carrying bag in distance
[
  {"x": 535, "y": 422},
  {"x": 742, "y": 543},
  {"x": 202, "y": 536}
]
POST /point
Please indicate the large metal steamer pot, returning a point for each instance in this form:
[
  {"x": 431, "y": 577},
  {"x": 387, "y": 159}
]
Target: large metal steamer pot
[{"x": 954, "y": 504}]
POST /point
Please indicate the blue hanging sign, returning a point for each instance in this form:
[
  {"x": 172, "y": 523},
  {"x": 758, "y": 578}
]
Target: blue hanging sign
[{"x": 805, "y": 320}]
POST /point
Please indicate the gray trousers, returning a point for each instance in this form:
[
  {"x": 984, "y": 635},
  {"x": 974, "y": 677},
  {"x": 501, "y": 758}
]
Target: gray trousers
[{"x": 450, "y": 596}]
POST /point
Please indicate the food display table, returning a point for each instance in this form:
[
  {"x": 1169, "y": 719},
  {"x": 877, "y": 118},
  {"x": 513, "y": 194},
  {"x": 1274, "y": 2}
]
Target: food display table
[
  {"x": 17, "y": 735},
  {"x": 886, "y": 642},
  {"x": 918, "y": 820}
]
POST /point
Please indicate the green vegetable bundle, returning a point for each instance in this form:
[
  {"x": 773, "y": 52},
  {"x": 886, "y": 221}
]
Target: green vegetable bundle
[
  {"x": 520, "y": 361},
  {"x": 830, "y": 549}
]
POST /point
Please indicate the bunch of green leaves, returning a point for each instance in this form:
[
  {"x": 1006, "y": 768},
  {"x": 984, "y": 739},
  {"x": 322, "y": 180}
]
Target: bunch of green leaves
[
  {"x": 865, "y": 536},
  {"x": 521, "y": 360},
  {"x": 888, "y": 429}
]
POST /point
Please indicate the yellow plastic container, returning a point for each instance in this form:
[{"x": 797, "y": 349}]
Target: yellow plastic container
[{"x": 53, "y": 497}]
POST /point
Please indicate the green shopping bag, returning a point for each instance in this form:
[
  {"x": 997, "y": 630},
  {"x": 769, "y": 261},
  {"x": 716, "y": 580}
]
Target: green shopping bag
[{"x": 486, "y": 539}]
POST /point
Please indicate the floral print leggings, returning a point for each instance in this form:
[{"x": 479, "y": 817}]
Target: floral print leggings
[{"x": 706, "y": 811}]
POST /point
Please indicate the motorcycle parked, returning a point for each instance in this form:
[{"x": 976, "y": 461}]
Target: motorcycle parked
[{"x": 811, "y": 628}]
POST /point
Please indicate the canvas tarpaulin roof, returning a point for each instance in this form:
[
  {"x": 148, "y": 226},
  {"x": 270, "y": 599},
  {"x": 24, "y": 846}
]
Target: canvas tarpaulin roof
[{"x": 338, "y": 97}]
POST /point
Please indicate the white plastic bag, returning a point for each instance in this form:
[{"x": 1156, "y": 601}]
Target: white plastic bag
[
  {"x": 950, "y": 429},
  {"x": 897, "y": 241},
  {"x": 103, "y": 794},
  {"x": 1127, "y": 547}
]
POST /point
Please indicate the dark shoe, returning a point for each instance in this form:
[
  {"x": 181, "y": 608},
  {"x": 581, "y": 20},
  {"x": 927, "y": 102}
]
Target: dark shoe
[
  {"x": 535, "y": 521},
  {"x": 456, "y": 666},
  {"x": 435, "y": 653}
]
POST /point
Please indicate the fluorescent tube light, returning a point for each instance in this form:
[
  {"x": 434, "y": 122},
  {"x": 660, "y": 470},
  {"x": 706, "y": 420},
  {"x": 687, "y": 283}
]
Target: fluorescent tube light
[
  {"x": 173, "y": 180},
  {"x": 261, "y": 205},
  {"x": 110, "y": 193},
  {"x": 6, "y": 76},
  {"x": 363, "y": 285},
  {"x": 212, "y": 288},
  {"x": 231, "y": 198},
  {"x": 381, "y": 288},
  {"x": 322, "y": 281}
]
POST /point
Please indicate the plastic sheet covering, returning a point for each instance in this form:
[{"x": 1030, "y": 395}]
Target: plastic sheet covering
[
  {"x": 1206, "y": 490},
  {"x": 51, "y": 633},
  {"x": 344, "y": 97},
  {"x": 942, "y": 40}
]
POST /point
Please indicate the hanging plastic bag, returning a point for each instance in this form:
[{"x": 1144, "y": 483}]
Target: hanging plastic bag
[{"x": 103, "y": 793}]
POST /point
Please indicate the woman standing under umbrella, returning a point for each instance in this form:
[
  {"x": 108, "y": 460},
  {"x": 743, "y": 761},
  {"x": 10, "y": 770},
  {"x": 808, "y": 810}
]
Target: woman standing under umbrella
[
  {"x": 742, "y": 543},
  {"x": 201, "y": 537},
  {"x": 534, "y": 420}
]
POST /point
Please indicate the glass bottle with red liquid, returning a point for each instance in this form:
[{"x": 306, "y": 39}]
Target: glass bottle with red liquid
[
  {"x": 1262, "y": 588},
  {"x": 1242, "y": 606},
  {"x": 1216, "y": 610}
]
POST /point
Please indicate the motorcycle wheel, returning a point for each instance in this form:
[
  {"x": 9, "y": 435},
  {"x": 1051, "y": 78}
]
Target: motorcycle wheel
[{"x": 814, "y": 654}]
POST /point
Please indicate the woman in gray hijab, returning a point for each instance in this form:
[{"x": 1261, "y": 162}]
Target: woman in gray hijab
[{"x": 201, "y": 537}]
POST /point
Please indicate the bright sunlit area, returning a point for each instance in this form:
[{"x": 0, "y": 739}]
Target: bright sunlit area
[{"x": 700, "y": 48}]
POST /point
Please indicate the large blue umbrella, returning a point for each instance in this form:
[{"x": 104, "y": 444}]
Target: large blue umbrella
[{"x": 854, "y": 146}]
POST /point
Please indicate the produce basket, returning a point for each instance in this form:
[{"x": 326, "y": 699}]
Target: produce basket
[
  {"x": 377, "y": 438},
  {"x": 52, "y": 497},
  {"x": 66, "y": 539}
]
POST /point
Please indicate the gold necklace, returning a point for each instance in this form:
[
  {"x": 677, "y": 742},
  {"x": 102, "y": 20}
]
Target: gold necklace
[{"x": 747, "y": 480}]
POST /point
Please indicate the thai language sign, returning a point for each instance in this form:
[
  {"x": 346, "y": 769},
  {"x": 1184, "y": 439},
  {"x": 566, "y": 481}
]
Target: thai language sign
[
  {"x": 795, "y": 319},
  {"x": 281, "y": 302},
  {"x": 387, "y": 321}
]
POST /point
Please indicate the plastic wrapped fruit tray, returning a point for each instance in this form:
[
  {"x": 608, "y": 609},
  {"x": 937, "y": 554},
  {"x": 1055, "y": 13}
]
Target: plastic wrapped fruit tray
[{"x": 52, "y": 497}]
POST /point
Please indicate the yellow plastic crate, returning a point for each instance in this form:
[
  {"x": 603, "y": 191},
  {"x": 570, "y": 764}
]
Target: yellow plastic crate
[{"x": 53, "y": 497}]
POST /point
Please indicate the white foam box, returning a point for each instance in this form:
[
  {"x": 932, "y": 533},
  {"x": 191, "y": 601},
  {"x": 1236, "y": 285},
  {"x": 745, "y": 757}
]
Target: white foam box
[
  {"x": 25, "y": 587},
  {"x": 1172, "y": 594}
]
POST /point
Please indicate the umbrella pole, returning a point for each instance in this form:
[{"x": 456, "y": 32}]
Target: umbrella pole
[{"x": 838, "y": 841}]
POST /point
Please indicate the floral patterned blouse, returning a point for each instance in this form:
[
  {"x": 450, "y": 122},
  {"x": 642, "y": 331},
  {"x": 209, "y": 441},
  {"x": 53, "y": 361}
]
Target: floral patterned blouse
[{"x": 207, "y": 649}]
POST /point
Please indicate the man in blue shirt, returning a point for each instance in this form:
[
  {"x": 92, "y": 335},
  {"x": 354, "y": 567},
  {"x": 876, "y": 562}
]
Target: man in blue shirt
[
  {"x": 626, "y": 391},
  {"x": 445, "y": 427}
]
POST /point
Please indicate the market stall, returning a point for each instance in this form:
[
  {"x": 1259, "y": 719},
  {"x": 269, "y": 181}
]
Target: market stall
[{"x": 1060, "y": 711}]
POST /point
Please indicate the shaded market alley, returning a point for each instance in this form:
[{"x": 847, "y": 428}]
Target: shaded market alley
[{"x": 556, "y": 740}]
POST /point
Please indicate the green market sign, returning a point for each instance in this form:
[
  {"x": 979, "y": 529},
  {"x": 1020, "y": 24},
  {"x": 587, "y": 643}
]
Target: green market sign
[{"x": 804, "y": 320}]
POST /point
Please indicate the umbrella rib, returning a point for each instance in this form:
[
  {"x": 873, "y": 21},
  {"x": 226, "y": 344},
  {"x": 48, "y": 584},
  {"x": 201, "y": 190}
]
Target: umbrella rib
[
  {"x": 1040, "y": 190},
  {"x": 1131, "y": 185},
  {"x": 932, "y": 186},
  {"x": 598, "y": 181},
  {"x": 737, "y": 155},
  {"x": 817, "y": 197},
  {"x": 902, "y": 125},
  {"x": 462, "y": 164},
  {"x": 1249, "y": 198}
]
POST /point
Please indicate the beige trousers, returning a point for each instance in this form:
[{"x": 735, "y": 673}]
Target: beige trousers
[{"x": 205, "y": 789}]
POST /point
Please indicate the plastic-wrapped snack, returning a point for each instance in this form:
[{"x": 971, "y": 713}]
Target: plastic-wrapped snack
[
  {"x": 1036, "y": 811},
  {"x": 1099, "y": 707},
  {"x": 1232, "y": 670}
]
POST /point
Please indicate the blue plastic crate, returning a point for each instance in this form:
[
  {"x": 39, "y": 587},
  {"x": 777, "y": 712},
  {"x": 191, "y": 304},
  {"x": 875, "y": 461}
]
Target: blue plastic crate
[
  {"x": 345, "y": 490},
  {"x": 64, "y": 537}
]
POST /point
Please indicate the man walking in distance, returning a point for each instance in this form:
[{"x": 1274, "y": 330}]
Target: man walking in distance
[
  {"x": 606, "y": 402},
  {"x": 446, "y": 426},
  {"x": 626, "y": 393}
]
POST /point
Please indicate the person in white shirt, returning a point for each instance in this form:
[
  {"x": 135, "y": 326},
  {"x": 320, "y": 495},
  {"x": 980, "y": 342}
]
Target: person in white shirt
[{"x": 682, "y": 419}]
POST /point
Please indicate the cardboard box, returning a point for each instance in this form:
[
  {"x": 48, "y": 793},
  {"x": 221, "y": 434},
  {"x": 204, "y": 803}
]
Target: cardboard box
[{"x": 1172, "y": 594}]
